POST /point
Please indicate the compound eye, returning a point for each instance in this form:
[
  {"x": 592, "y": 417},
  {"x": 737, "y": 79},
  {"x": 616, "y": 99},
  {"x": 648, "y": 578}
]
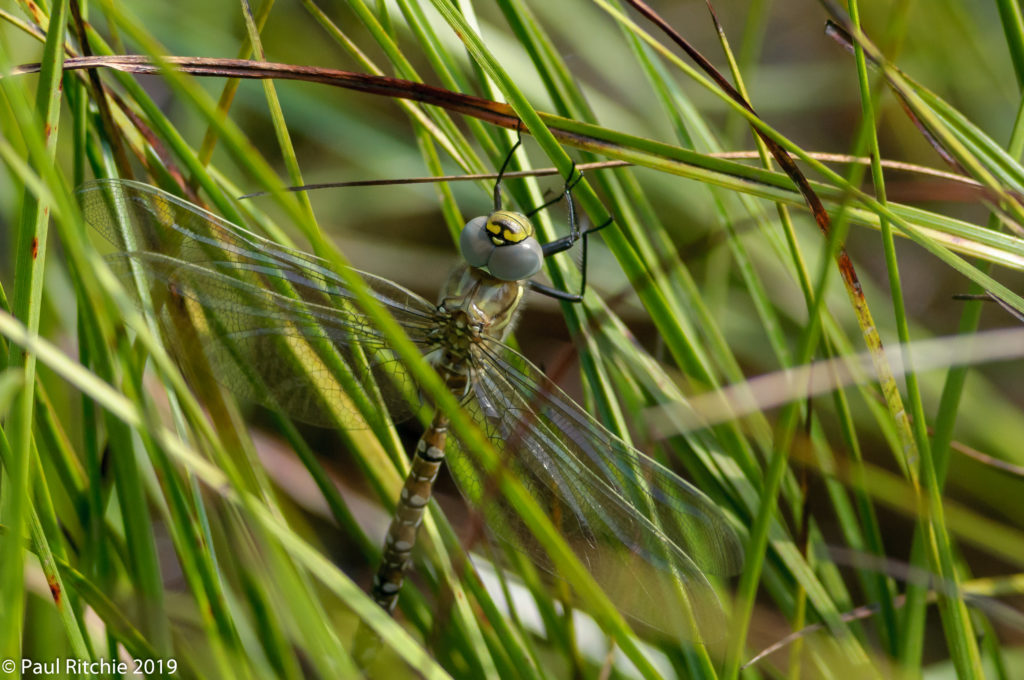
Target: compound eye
[
  {"x": 515, "y": 262},
  {"x": 475, "y": 243}
]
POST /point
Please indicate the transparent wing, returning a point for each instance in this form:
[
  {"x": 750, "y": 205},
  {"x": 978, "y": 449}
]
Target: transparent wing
[
  {"x": 276, "y": 325},
  {"x": 646, "y": 535}
]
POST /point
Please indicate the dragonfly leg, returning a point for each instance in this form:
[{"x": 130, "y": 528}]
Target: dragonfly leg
[
  {"x": 552, "y": 292},
  {"x": 575, "y": 175},
  {"x": 504, "y": 165},
  {"x": 566, "y": 242},
  {"x": 416, "y": 491}
]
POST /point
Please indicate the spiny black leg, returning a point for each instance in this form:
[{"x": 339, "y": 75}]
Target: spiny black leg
[
  {"x": 574, "y": 229},
  {"x": 554, "y": 292},
  {"x": 504, "y": 165},
  {"x": 563, "y": 244},
  {"x": 583, "y": 263},
  {"x": 567, "y": 242},
  {"x": 575, "y": 175}
]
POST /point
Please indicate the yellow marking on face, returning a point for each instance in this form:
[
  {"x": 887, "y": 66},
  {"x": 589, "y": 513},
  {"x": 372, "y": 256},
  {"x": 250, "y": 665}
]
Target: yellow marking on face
[{"x": 507, "y": 227}]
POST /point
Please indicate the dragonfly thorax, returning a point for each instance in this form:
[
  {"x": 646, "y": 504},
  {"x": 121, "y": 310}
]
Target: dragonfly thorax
[{"x": 474, "y": 304}]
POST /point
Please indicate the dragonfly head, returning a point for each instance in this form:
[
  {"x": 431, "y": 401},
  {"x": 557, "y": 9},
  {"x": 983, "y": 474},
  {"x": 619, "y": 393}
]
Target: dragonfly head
[{"x": 504, "y": 244}]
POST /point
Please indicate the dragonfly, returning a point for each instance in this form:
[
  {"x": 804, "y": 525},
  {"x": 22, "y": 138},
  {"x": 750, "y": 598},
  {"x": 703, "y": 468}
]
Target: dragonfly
[{"x": 279, "y": 326}]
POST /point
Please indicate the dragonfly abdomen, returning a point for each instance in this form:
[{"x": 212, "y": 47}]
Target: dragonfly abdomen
[{"x": 416, "y": 491}]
